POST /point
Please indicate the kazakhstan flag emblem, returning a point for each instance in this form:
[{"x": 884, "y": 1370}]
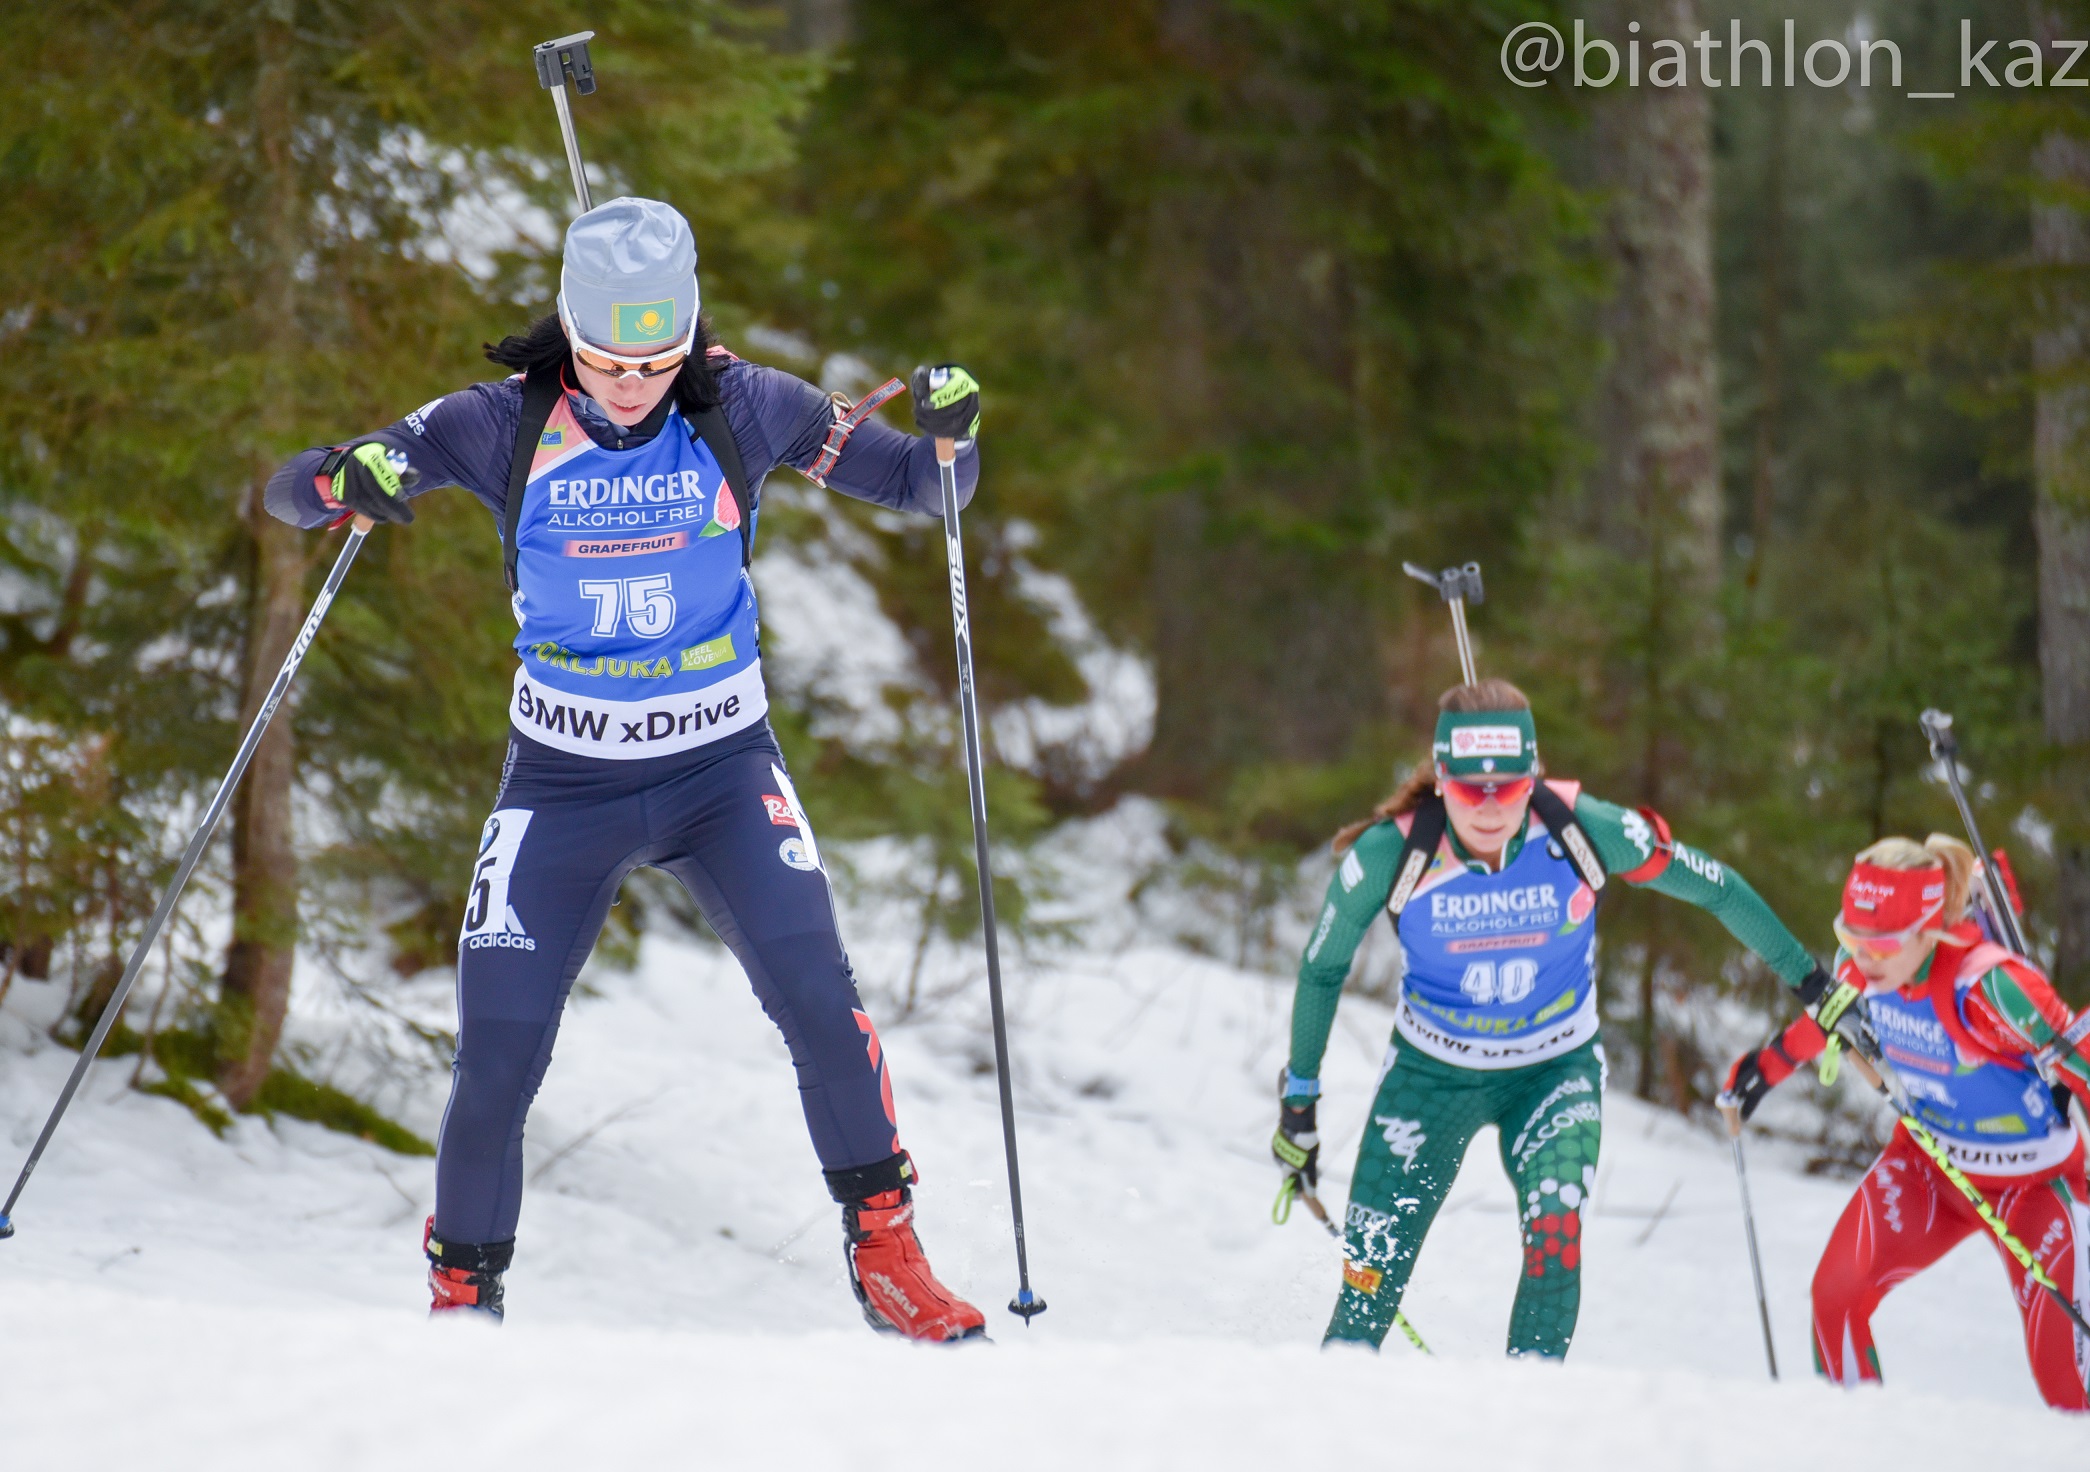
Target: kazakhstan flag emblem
[{"x": 638, "y": 324}]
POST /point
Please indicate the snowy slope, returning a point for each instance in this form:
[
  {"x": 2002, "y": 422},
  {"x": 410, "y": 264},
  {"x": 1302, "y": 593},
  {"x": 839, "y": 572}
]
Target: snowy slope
[{"x": 678, "y": 1297}]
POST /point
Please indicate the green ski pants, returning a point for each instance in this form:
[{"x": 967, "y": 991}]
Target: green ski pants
[{"x": 1425, "y": 1115}]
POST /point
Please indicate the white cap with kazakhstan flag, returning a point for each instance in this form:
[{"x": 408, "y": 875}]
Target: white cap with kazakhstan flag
[{"x": 629, "y": 281}]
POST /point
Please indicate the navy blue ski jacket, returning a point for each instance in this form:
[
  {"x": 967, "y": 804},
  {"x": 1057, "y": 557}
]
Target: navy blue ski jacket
[{"x": 467, "y": 438}]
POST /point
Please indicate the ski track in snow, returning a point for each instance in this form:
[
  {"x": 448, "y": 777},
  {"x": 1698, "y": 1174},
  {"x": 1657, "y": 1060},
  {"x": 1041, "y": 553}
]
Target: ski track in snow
[{"x": 678, "y": 1297}]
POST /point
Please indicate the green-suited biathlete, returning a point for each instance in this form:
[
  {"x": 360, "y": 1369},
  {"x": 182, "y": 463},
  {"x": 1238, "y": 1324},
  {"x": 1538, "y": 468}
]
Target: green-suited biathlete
[{"x": 1491, "y": 875}]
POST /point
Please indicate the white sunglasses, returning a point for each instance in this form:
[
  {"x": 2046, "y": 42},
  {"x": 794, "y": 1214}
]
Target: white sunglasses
[{"x": 618, "y": 365}]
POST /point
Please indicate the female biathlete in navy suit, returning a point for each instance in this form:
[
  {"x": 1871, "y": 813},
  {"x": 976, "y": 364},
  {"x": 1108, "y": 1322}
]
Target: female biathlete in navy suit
[
  {"x": 639, "y": 731},
  {"x": 1966, "y": 1026}
]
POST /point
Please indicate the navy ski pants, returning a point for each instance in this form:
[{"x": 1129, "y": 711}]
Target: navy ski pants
[{"x": 566, "y": 830}]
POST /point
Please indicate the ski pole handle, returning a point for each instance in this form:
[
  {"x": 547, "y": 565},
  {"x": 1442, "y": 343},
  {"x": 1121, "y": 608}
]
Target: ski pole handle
[
  {"x": 946, "y": 452},
  {"x": 1730, "y": 1110},
  {"x": 1865, "y": 1069}
]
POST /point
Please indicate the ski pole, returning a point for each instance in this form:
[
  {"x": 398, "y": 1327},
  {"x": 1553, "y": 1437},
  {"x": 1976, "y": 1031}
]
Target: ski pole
[
  {"x": 191, "y": 856},
  {"x": 1928, "y": 1143},
  {"x": 1732, "y": 1110},
  {"x": 558, "y": 62},
  {"x": 1457, "y": 586},
  {"x": 1282, "y": 1213},
  {"x": 1944, "y": 750},
  {"x": 1024, "y": 1305}
]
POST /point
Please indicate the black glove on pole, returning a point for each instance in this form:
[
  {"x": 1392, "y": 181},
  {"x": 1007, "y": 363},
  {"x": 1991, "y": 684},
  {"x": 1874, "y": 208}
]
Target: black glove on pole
[
  {"x": 947, "y": 399},
  {"x": 947, "y": 403},
  {"x": 1297, "y": 1143},
  {"x": 373, "y": 480},
  {"x": 1838, "y": 1008},
  {"x": 198, "y": 842}
]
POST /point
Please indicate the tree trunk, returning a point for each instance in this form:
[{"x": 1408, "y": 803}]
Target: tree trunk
[
  {"x": 1770, "y": 351},
  {"x": 1654, "y": 701},
  {"x": 1655, "y": 491},
  {"x": 2061, "y": 521},
  {"x": 255, "y": 993},
  {"x": 820, "y": 25},
  {"x": 1265, "y": 649},
  {"x": 256, "y": 990},
  {"x": 1660, "y": 427}
]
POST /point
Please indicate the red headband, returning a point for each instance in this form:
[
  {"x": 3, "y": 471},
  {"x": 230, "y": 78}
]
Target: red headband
[{"x": 1892, "y": 900}]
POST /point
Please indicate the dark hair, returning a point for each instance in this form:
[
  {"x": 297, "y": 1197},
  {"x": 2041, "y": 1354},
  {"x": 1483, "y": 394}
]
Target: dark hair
[
  {"x": 543, "y": 346},
  {"x": 1422, "y": 778}
]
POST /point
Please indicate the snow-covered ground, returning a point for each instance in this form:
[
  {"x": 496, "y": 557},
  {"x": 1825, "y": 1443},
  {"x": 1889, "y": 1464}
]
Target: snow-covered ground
[{"x": 678, "y": 1297}]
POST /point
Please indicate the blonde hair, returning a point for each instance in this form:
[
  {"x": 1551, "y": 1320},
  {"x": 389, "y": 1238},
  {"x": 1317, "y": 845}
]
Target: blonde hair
[
  {"x": 1490, "y": 694},
  {"x": 1939, "y": 851}
]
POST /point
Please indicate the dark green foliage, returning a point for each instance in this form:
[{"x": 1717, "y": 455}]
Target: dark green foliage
[
  {"x": 188, "y": 1059},
  {"x": 226, "y": 240},
  {"x": 1258, "y": 291},
  {"x": 296, "y": 1097},
  {"x": 1880, "y": 559},
  {"x": 1266, "y": 295}
]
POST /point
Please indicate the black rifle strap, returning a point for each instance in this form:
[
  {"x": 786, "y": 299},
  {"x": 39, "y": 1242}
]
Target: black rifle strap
[
  {"x": 1425, "y": 832},
  {"x": 540, "y": 395},
  {"x": 712, "y": 429},
  {"x": 1559, "y": 819}
]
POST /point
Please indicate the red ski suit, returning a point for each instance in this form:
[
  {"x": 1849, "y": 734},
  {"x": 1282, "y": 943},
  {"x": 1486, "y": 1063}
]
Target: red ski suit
[{"x": 1906, "y": 1215}]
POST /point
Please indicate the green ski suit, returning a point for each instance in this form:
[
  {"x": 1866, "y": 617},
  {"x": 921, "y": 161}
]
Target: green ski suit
[{"x": 1428, "y": 1108}]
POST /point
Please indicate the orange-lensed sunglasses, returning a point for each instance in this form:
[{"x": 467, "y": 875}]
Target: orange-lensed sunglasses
[
  {"x": 1508, "y": 791},
  {"x": 1880, "y": 947},
  {"x": 614, "y": 367}
]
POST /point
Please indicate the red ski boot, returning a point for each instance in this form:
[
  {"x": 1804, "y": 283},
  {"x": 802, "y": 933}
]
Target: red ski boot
[
  {"x": 891, "y": 1276},
  {"x": 465, "y": 1277}
]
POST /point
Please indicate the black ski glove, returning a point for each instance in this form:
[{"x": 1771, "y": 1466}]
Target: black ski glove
[
  {"x": 1297, "y": 1143},
  {"x": 946, "y": 402},
  {"x": 1838, "y": 1008},
  {"x": 371, "y": 479},
  {"x": 1748, "y": 1085}
]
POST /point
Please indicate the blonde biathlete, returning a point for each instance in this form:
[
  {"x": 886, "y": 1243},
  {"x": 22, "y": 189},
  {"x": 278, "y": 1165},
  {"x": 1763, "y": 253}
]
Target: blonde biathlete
[{"x": 1491, "y": 878}]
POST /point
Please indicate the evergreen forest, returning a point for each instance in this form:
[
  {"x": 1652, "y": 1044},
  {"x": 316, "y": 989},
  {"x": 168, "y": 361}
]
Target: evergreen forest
[{"x": 1764, "y": 408}]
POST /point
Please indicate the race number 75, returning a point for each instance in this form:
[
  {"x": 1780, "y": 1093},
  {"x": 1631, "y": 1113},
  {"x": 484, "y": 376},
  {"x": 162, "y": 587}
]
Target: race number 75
[{"x": 646, "y": 603}]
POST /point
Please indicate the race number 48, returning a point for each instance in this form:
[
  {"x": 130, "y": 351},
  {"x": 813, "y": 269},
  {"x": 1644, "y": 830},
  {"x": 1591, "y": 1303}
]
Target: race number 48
[
  {"x": 1511, "y": 981},
  {"x": 645, "y": 603}
]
